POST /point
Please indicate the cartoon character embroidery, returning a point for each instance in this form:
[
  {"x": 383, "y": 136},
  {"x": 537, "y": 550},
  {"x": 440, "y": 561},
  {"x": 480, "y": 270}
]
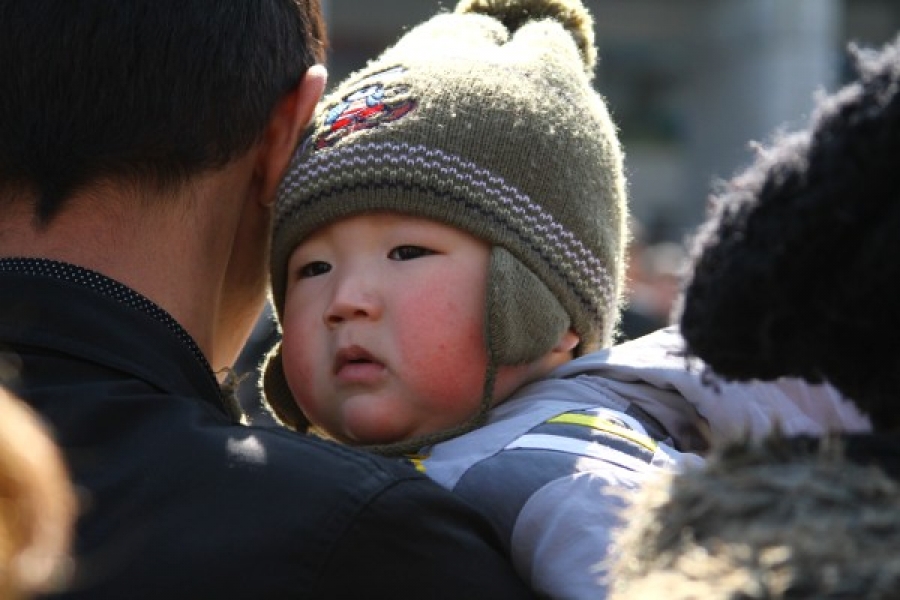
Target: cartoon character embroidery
[{"x": 367, "y": 107}]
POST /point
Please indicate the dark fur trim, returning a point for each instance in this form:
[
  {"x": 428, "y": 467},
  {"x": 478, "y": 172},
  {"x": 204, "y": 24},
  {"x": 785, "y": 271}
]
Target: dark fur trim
[{"x": 781, "y": 518}]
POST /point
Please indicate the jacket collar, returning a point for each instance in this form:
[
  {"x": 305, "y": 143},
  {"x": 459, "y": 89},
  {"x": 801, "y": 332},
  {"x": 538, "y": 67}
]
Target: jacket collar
[{"x": 76, "y": 311}]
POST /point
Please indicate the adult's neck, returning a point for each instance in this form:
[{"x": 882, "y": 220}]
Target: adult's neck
[{"x": 175, "y": 248}]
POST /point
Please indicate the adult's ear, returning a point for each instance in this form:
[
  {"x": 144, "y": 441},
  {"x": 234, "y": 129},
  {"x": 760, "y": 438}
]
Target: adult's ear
[{"x": 291, "y": 116}]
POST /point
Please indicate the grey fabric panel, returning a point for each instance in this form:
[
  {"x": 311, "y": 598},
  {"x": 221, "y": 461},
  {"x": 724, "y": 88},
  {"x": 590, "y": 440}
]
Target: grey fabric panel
[{"x": 500, "y": 485}]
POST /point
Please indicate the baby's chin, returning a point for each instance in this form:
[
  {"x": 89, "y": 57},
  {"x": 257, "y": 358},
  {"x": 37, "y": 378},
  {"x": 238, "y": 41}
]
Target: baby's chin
[{"x": 371, "y": 421}]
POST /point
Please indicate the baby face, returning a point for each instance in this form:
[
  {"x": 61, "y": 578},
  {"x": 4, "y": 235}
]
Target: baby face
[{"x": 384, "y": 327}]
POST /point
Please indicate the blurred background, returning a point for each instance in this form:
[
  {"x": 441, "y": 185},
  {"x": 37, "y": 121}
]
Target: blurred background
[{"x": 689, "y": 82}]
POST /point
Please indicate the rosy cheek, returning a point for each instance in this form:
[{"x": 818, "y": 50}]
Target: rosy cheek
[
  {"x": 443, "y": 342},
  {"x": 299, "y": 371}
]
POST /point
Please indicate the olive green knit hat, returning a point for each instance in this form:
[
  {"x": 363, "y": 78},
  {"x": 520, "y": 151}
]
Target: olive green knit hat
[{"x": 484, "y": 119}]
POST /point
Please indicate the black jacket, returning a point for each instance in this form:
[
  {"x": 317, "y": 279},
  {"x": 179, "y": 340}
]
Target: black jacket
[{"x": 181, "y": 501}]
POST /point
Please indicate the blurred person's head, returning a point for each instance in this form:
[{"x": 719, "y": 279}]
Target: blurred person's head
[
  {"x": 665, "y": 264},
  {"x": 37, "y": 504},
  {"x": 796, "y": 272}
]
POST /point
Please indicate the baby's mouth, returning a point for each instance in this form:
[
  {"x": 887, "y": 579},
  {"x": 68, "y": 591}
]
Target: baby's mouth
[{"x": 353, "y": 355}]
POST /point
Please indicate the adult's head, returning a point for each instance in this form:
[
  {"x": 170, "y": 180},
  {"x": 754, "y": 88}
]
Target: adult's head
[
  {"x": 796, "y": 273},
  {"x": 145, "y": 139},
  {"x": 151, "y": 92}
]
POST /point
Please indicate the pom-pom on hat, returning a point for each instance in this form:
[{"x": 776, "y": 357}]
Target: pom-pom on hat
[{"x": 484, "y": 119}]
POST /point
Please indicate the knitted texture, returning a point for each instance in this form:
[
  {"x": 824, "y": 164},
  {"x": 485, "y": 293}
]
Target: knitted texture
[
  {"x": 795, "y": 273},
  {"x": 762, "y": 521},
  {"x": 486, "y": 120}
]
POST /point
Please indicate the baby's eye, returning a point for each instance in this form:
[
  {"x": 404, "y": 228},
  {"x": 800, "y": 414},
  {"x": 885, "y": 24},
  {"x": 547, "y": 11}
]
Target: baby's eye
[
  {"x": 408, "y": 252},
  {"x": 313, "y": 269}
]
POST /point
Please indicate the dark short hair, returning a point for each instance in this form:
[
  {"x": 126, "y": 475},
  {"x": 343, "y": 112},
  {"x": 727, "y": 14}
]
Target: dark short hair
[
  {"x": 797, "y": 272},
  {"x": 149, "y": 91}
]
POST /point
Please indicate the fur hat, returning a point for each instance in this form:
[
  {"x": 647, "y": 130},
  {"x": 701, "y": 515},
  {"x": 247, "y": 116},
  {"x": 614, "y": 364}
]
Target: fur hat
[
  {"x": 770, "y": 520},
  {"x": 486, "y": 120},
  {"x": 796, "y": 272}
]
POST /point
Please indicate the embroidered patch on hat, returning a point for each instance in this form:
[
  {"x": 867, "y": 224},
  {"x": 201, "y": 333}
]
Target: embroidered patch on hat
[{"x": 370, "y": 105}]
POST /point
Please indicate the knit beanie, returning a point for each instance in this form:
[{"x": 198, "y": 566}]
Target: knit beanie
[{"x": 484, "y": 119}]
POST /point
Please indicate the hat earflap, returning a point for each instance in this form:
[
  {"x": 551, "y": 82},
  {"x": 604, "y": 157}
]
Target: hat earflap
[
  {"x": 523, "y": 319},
  {"x": 277, "y": 395}
]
